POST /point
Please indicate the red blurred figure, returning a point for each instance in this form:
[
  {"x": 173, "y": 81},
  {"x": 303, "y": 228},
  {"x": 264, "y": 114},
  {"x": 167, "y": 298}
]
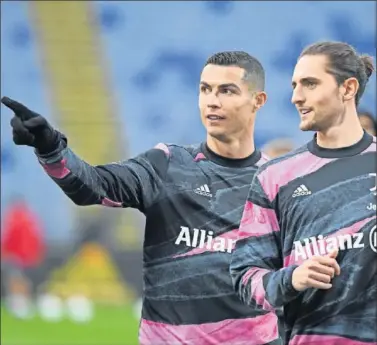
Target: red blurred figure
[
  {"x": 22, "y": 250},
  {"x": 22, "y": 241}
]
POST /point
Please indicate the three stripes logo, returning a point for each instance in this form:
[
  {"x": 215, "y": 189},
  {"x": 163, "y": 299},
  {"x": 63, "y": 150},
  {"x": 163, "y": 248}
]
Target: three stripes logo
[
  {"x": 300, "y": 191},
  {"x": 203, "y": 190}
]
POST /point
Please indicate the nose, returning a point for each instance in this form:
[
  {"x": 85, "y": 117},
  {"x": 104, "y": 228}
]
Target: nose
[
  {"x": 213, "y": 100},
  {"x": 297, "y": 96}
]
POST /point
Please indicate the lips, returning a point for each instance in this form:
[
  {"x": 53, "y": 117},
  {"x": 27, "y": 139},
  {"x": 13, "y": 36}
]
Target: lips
[
  {"x": 215, "y": 117},
  {"x": 304, "y": 111}
]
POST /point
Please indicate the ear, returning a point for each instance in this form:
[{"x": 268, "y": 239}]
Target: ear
[
  {"x": 260, "y": 100},
  {"x": 349, "y": 89}
]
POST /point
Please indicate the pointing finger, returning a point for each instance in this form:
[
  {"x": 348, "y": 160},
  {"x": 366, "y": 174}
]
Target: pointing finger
[
  {"x": 13, "y": 105},
  {"x": 18, "y": 108}
]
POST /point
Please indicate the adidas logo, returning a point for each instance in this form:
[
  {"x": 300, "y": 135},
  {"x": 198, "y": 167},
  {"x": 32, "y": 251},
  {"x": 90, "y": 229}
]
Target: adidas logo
[
  {"x": 300, "y": 191},
  {"x": 203, "y": 190}
]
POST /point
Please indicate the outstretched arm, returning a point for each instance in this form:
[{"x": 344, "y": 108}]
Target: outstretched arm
[{"x": 134, "y": 183}]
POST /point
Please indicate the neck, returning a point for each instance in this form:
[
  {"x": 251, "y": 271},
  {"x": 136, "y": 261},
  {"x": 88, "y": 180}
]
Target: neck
[
  {"x": 344, "y": 134},
  {"x": 235, "y": 148}
]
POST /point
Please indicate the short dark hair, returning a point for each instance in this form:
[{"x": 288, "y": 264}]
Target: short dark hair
[
  {"x": 344, "y": 63},
  {"x": 254, "y": 71}
]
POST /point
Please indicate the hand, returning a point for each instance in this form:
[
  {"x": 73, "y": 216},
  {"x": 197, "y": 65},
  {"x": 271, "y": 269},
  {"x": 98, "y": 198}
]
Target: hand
[
  {"x": 316, "y": 272},
  {"x": 30, "y": 128}
]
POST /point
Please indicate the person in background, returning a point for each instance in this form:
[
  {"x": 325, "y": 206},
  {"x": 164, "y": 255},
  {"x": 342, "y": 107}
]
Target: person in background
[
  {"x": 278, "y": 147},
  {"x": 368, "y": 122},
  {"x": 22, "y": 250}
]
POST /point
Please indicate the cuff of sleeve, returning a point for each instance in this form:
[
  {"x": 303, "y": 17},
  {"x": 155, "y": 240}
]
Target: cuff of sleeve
[
  {"x": 54, "y": 156},
  {"x": 290, "y": 291}
]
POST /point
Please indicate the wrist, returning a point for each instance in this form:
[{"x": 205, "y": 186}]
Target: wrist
[
  {"x": 289, "y": 278},
  {"x": 50, "y": 143}
]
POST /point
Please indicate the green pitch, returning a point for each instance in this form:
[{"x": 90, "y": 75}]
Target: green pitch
[{"x": 110, "y": 326}]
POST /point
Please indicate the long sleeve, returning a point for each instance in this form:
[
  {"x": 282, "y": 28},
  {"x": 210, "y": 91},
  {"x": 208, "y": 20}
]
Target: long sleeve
[
  {"x": 134, "y": 183},
  {"x": 257, "y": 271}
]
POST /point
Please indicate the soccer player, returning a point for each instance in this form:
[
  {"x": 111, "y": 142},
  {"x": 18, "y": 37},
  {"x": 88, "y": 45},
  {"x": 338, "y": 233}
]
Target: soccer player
[
  {"x": 307, "y": 239},
  {"x": 192, "y": 197}
]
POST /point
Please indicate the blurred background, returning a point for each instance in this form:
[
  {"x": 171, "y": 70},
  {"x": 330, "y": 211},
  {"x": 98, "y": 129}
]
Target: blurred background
[{"x": 118, "y": 78}]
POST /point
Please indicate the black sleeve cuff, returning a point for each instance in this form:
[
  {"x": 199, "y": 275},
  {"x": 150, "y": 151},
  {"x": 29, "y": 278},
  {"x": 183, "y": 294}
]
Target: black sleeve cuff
[{"x": 54, "y": 154}]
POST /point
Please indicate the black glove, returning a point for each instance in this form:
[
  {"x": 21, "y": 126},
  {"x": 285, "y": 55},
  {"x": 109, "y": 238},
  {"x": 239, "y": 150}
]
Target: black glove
[{"x": 31, "y": 129}]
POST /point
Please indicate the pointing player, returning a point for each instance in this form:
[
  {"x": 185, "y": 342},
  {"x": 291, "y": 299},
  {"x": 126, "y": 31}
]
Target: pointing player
[
  {"x": 303, "y": 242},
  {"x": 193, "y": 198}
]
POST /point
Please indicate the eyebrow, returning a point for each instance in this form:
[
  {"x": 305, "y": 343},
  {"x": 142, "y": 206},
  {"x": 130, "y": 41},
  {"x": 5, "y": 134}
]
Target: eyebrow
[
  {"x": 306, "y": 80},
  {"x": 222, "y": 86}
]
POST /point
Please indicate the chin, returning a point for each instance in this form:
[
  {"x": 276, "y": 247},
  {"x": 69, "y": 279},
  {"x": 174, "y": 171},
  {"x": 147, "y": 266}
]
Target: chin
[
  {"x": 215, "y": 129},
  {"x": 219, "y": 134},
  {"x": 306, "y": 126}
]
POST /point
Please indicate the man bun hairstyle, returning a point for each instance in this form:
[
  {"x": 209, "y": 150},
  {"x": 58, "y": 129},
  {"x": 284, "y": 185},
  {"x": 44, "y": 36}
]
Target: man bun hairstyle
[
  {"x": 368, "y": 64},
  {"x": 344, "y": 63}
]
